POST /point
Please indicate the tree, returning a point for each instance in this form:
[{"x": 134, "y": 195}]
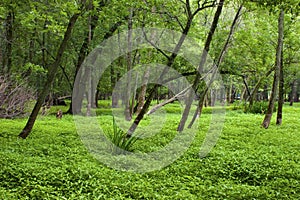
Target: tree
[
  {"x": 201, "y": 65},
  {"x": 217, "y": 64},
  {"x": 127, "y": 111},
  {"x": 51, "y": 75},
  {"x": 171, "y": 59},
  {"x": 278, "y": 65}
]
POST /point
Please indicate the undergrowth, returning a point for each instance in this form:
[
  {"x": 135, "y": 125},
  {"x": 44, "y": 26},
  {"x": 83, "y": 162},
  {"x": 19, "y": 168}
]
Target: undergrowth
[{"x": 248, "y": 162}]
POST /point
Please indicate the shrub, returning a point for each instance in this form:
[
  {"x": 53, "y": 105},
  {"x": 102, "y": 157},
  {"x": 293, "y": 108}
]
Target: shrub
[
  {"x": 237, "y": 105},
  {"x": 258, "y": 107},
  {"x": 14, "y": 97},
  {"x": 119, "y": 140}
]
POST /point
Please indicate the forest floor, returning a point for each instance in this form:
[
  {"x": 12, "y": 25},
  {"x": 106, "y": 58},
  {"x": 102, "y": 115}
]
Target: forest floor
[{"x": 248, "y": 162}]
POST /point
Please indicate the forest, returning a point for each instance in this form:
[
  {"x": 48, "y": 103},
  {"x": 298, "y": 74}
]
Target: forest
[{"x": 149, "y": 99}]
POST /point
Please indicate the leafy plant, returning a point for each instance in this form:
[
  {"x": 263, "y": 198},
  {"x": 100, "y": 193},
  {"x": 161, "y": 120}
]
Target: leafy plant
[
  {"x": 237, "y": 105},
  {"x": 258, "y": 108},
  {"x": 247, "y": 163},
  {"x": 120, "y": 142}
]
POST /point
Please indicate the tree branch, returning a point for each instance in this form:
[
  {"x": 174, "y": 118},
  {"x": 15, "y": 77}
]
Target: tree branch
[{"x": 154, "y": 45}]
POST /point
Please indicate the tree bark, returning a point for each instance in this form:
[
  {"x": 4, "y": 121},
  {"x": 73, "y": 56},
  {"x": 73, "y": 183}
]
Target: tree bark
[
  {"x": 91, "y": 92},
  {"x": 269, "y": 112},
  {"x": 281, "y": 92},
  {"x": 142, "y": 94},
  {"x": 127, "y": 111},
  {"x": 113, "y": 80},
  {"x": 293, "y": 94},
  {"x": 51, "y": 75}
]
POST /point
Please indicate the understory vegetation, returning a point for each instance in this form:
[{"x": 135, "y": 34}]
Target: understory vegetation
[{"x": 248, "y": 162}]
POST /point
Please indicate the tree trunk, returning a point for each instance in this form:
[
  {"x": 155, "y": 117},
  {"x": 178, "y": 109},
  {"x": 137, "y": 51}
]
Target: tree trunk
[
  {"x": 84, "y": 50},
  {"x": 75, "y": 108},
  {"x": 201, "y": 65},
  {"x": 247, "y": 93},
  {"x": 127, "y": 111},
  {"x": 256, "y": 87},
  {"x": 218, "y": 63},
  {"x": 228, "y": 94},
  {"x": 153, "y": 91},
  {"x": 142, "y": 94},
  {"x": 281, "y": 92},
  {"x": 170, "y": 62},
  {"x": 90, "y": 92},
  {"x": 9, "y": 41},
  {"x": 113, "y": 80},
  {"x": 51, "y": 75},
  {"x": 293, "y": 95},
  {"x": 269, "y": 112}
]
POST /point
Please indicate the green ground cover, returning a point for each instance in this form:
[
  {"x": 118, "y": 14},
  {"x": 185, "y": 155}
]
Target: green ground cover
[{"x": 248, "y": 161}]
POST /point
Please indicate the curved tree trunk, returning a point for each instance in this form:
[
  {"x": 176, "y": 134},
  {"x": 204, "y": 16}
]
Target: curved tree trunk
[
  {"x": 170, "y": 62},
  {"x": 51, "y": 75},
  {"x": 269, "y": 112},
  {"x": 200, "y": 68},
  {"x": 219, "y": 61}
]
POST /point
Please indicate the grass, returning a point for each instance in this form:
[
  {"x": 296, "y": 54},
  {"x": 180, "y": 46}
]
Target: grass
[{"x": 248, "y": 162}]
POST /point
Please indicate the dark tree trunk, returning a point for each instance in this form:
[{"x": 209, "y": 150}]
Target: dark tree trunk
[
  {"x": 228, "y": 94},
  {"x": 269, "y": 112},
  {"x": 281, "y": 92},
  {"x": 201, "y": 65},
  {"x": 247, "y": 93},
  {"x": 293, "y": 95},
  {"x": 218, "y": 63},
  {"x": 90, "y": 92},
  {"x": 51, "y": 74},
  {"x": 44, "y": 61}
]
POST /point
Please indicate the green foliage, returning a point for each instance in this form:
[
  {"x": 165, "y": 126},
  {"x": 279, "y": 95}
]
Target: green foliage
[
  {"x": 247, "y": 163},
  {"x": 237, "y": 105},
  {"x": 120, "y": 143},
  {"x": 258, "y": 107}
]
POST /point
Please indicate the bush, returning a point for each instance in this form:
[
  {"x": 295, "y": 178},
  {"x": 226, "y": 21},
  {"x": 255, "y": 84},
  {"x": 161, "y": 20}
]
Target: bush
[
  {"x": 237, "y": 105},
  {"x": 258, "y": 107},
  {"x": 14, "y": 96}
]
